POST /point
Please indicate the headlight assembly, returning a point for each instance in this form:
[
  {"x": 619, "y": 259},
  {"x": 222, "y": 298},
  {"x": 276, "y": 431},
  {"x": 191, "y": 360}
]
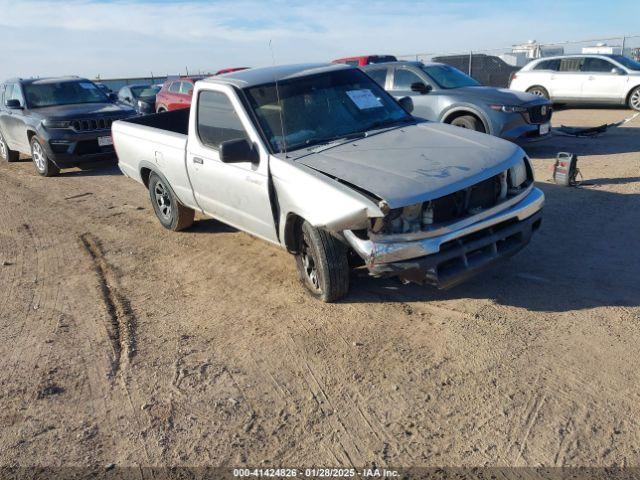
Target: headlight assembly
[
  {"x": 508, "y": 108},
  {"x": 48, "y": 123}
]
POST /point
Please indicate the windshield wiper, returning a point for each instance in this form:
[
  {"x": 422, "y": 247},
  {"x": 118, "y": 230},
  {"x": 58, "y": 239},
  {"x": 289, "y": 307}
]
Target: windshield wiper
[
  {"x": 388, "y": 124},
  {"x": 319, "y": 141}
]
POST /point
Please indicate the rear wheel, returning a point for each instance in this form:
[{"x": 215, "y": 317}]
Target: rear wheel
[
  {"x": 322, "y": 263},
  {"x": 539, "y": 91},
  {"x": 171, "y": 213},
  {"x": 470, "y": 122},
  {"x": 161, "y": 110},
  {"x": 44, "y": 166},
  {"x": 6, "y": 153},
  {"x": 634, "y": 99}
]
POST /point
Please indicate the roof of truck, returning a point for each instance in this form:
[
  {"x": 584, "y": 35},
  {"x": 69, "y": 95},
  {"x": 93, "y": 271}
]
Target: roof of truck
[{"x": 260, "y": 76}]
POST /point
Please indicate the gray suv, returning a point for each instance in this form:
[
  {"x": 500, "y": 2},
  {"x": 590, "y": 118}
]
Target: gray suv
[{"x": 442, "y": 93}]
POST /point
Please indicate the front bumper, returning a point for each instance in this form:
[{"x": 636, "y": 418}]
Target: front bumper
[
  {"x": 67, "y": 148},
  {"x": 449, "y": 259},
  {"x": 522, "y": 127}
]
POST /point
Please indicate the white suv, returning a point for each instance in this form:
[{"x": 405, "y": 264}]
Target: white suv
[{"x": 611, "y": 79}]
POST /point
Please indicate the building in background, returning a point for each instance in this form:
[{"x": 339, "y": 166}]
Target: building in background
[{"x": 523, "y": 53}]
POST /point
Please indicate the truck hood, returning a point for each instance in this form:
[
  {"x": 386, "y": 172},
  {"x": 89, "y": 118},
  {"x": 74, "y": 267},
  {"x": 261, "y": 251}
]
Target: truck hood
[
  {"x": 416, "y": 163},
  {"x": 498, "y": 96},
  {"x": 83, "y": 110}
]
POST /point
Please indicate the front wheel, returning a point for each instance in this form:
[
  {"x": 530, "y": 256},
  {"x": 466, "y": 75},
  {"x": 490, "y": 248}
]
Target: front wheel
[
  {"x": 634, "y": 99},
  {"x": 6, "y": 153},
  {"x": 470, "y": 122},
  {"x": 322, "y": 264},
  {"x": 171, "y": 213},
  {"x": 44, "y": 166}
]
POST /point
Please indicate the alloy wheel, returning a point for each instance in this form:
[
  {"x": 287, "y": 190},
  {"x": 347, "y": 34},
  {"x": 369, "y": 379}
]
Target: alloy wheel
[
  {"x": 163, "y": 200},
  {"x": 309, "y": 264},
  {"x": 635, "y": 99},
  {"x": 4, "y": 151},
  {"x": 38, "y": 156}
]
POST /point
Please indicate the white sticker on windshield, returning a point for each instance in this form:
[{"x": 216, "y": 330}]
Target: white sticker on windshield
[
  {"x": 364, "y": 99},
  {"x": 87, "y": 86}
]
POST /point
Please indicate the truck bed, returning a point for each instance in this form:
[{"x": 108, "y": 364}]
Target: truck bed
[
  {"x": 176, "y": 121},
  {"x": 156, "y": 142}
]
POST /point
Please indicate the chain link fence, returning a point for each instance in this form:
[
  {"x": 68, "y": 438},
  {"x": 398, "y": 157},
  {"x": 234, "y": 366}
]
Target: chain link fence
[{"x": 495, "y": 66}]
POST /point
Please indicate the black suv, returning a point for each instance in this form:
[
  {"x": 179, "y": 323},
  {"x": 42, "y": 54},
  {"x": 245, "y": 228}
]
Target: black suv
[{"x": 60, "y": 122}]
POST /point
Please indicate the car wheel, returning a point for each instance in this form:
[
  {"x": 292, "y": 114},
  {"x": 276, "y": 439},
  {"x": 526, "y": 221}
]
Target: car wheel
[
  {"x": 322, "y": 264},
  {"x": 161, "y": 110},
  {"x": 539, "y": 92},
  {"x": 468, "y": 121},
  {"x": 44, "y": 166},
  {"x": 634, "y": 99},
  {"x": 6, "y": 153},
  {"x": 171, "y": 213}
]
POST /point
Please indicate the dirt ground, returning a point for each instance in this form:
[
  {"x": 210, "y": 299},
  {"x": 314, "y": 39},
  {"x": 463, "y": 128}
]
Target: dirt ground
[{"x": 123, "y": 343}]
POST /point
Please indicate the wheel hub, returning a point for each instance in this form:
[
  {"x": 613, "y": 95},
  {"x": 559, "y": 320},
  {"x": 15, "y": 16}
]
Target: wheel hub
[
  {"x": 38, "y": 157},
  {"x": 3, "y": 148},
  {"x": 635, "y": 100},
  {"x": 163, "y": 200},
  {"x": 310, "y": 266}
]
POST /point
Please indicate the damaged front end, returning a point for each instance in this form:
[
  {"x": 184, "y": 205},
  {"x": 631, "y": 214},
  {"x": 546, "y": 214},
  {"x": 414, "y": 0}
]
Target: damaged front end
[{"x": 443, "y": 241}]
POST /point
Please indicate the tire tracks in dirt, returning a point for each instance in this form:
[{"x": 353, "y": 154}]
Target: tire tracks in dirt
[{"x": 121, "y": 327}]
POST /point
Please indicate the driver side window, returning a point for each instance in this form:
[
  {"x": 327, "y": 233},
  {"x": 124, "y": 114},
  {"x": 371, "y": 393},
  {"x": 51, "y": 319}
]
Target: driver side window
[
  {"x": 403, "y": 78},
  {"x": 217, "y": 120}
]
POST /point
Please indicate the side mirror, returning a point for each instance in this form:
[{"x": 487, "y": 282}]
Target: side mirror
[
  {"x": 618, "y": 71},
  {"x": 13, "y": 104},
  {"x": 127, "y": 99},
  {"x": 190, "y": 93},
  {"x": 112, "y": 97},
  {"x": 238, "y": 151},
  {"x": 407, "y": 104},
  {"x": 421, "y": 88}
]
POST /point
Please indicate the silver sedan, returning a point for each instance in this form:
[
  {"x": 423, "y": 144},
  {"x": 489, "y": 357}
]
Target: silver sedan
[{"x": 442, "y": 93}]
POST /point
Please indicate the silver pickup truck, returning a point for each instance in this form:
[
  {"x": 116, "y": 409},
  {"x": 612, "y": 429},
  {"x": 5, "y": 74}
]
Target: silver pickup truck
[{"x": 322, "y": 161}]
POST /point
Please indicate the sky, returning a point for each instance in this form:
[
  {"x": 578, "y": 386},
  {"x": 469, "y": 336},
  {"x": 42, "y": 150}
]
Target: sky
[{"x": 124, "y": 38}]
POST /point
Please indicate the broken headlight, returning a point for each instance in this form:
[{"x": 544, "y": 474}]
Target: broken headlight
[{"x": 517, "y": 175}]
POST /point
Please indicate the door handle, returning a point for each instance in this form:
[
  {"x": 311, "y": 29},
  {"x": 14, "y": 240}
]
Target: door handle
[{"x": 197, "y": 160}]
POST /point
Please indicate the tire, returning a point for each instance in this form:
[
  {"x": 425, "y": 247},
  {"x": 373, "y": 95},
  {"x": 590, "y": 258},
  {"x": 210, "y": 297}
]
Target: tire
[
  {"x": 171, "y": 213},
  {"x": 41, "y": 162},
  {"x": 7, "y": 154},
  {"x": 539, "y": 91},
  {"x": 322, "y": 264},
  {"x": 470, "y": 122},
  {"x": 634, "y": 99},
  {"x": 161, "y": 110}
]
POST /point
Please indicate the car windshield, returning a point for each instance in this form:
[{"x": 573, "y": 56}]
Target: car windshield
[
  {"x": 627, "y": 62},
  {"x": 149, "y": 91},
  {"x": 63, "y": 93},
  {"x": 138, "y": 89},
  {"x": 318, "y": 109},
  {"x": 447, "y": 77}
]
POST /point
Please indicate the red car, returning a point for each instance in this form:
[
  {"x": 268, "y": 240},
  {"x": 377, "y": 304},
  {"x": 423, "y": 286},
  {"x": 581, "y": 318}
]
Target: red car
[
  {"x": 175, "y": 94},
  {"x": 229, "y": 70},
  {"x": 365, "y": 60}
]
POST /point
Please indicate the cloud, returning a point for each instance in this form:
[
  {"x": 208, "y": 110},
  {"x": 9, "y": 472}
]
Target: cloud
[{"x": 127, "y": 37}]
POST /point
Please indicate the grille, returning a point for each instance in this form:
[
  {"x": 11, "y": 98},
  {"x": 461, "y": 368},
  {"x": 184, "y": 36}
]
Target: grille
[
  {"x": 536, "y": 115},
  {"x": 462, "y": 203},
  {"x": 88, "y": 125}
]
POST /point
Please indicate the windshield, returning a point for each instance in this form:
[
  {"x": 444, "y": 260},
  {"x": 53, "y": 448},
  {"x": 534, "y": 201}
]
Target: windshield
[
  {"x": 149, "y": 91},
  {"x": 317, "y": 109},
  {"x": 627, "y": 62},
  {"x": 62, "y": 93},
  {"x": 138, "y": 89},
  {"x": 447, "y": 77}
]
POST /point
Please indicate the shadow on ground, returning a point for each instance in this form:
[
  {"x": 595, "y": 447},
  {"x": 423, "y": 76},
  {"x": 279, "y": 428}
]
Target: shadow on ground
[{"x": 586, "y": 255}]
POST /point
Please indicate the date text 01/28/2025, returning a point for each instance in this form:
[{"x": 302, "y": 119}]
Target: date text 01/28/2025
[{"x": 315, "y": 473}]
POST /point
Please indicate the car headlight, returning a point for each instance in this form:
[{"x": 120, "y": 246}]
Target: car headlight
[
  {"x": 48, "y": 123},
  {"x": 508, "y": 108},
  {"x": 517, "y": 174}
]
